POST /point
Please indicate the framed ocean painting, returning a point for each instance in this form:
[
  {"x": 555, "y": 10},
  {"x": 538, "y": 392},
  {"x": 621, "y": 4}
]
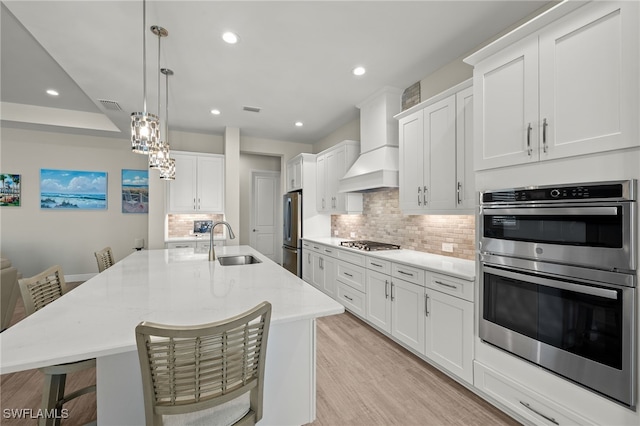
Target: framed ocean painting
[
  {"x": 135, "y": 191},
  {"x": 9, "y": 190},
  {"x": 73, "y": 189}
]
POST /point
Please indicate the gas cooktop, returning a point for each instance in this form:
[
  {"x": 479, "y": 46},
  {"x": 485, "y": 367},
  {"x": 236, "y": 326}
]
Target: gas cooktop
[{"x": 369, "y": 245}]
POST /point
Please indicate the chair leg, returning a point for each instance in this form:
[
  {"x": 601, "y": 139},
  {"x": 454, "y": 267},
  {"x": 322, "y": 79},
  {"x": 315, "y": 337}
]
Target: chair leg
[{"x": 52, "y": 392}]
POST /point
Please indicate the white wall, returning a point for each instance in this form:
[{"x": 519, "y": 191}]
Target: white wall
[
  {"x": 350, "y": 131},
  {"x": 35, "y": 238}
]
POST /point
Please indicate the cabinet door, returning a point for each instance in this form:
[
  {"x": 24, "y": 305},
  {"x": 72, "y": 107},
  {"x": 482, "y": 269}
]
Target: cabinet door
[
  {"x": 586, "y": 81},
  {"x": 317, "y": 278},
  {"x": 335, "y": 170},
  {"x": 321, "y": 202},
  {"x": 307, "y": 266},
  {"x": 297, "y": 174},
  {"x": 378, "y": 302},
  {"x": 439, "y": 187},
  {"x": 210, "y": 194},
  {"x": 449, "y": 333},
  {"x": 407, "y": 314},
  {"x": 506, "y": 106},
  {"x": 182, "y": 190},
  {"x": 465, "y": 179},
  {"x": 411, "y": 162},
  {"x": 329, "y": 270}
]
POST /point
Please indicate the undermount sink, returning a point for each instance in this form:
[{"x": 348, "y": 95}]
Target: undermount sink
[{"x": 238, "y": 260}]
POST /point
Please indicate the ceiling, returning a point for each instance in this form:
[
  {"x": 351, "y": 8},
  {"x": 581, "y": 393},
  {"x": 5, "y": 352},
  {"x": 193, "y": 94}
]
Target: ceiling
[{"x": 294, "y": 60}]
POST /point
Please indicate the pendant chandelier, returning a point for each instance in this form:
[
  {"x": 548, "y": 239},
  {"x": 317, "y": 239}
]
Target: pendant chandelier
[
  {"x": 145, "y": 127},
  {"x": 158, "y": 150},
  {"x": 166, "y": 165}
]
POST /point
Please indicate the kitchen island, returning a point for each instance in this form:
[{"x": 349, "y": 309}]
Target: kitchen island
[{"x": 177, "y": 286}]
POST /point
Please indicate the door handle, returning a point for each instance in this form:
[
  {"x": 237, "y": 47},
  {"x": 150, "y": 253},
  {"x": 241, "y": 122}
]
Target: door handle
[
  {"x": 424, "y": 196},
  {"x": 419, "y": 201},
  {"x": 392, "y": 296},
  {"x": 459, "y": 192},
  {"x": 426, "y": 305},
  {"x": 386, "y": 289},
  {"x": 544, "y": 135},
  {"x": 529, "y": 150}
]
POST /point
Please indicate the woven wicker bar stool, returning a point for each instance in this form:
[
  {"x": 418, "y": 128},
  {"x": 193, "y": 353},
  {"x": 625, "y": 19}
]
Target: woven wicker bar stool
[
  {"x": 209, "y": 374},
  {"x": 37, "y": 292},
  {"x": 104, "y": 258}
]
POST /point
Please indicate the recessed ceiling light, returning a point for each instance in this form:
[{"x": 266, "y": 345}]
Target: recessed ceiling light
[
  {"x": 359, "y": 71},
  {"x": 229, "y": 37},
  {"x": 299, "y": 124},
  {"x": 52, "y": 92},
  {"x": 215, "y": 111}
]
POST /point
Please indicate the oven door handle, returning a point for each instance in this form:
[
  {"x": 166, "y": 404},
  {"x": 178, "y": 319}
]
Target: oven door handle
[
  {"x": 562, "y": 285},
  {"x": 564, "y": 211}
]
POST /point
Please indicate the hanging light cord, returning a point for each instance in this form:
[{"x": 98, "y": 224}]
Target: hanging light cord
[{"x": 144, "y": 56}]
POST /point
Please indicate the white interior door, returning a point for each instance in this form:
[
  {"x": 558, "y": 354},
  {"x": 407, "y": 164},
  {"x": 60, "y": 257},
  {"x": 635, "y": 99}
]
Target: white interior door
[{"x": 265, "y": 197}]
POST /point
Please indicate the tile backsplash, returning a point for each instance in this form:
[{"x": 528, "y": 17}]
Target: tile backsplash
[
  {"x": 382, "y": 221},
  {"x": 181, "y": 225}
]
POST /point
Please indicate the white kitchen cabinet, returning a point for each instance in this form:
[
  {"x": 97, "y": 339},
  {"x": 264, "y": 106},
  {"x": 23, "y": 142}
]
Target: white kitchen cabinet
[
  {"x": 323, "y": 275},
  {"x": 449, "y": 333},
  {"x": 199, "y": 184},
  {"x": 396, "y": 307},
  {"x": 331, "y": 166},
  {"x": 436, "y": 145},
  {"x": 307, "y": 264},
  {"x": 294, "y": 173},
  {"x": 567, "y": 89}
]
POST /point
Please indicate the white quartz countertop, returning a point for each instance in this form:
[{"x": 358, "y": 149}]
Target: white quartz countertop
[
  {"x": 174, "y": 286},
  {"x": 460, "y": 268}
]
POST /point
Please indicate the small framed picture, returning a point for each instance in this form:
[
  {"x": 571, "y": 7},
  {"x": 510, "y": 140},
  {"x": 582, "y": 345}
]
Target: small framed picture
[
  {"x": 135, "y": 191},
  {"x": 9, "y": 190}
]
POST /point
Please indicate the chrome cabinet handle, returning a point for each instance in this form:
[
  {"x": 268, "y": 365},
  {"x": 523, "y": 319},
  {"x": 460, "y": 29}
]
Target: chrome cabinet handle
[
  {"x": 375, "y": 264},
  {"x": 551, "y": 419},
  {"x": 328, "y": 251},
  {"x": 446, "y": 285},
  {"x": 348, "y": 274},
  {"x": 419, "y": 192},
  {"x": 404, "y": 273},
  {"x": 426, "y": 305},
  {"x": 386, "y": 289},
  {"x": 544, "y": 135},
  {"x": 321, "y": 261},
  {"x": 194, "y": 204},
  {"x": 316, "y": 247},
  {"x": 459, "y": 192},
  {"x": 392, "y": 296},
  {"x": 309, "y": 258},
  {"x": 529, "y": 150},
  {"x": 424, "y": 196},
  {"x": 347, "y": 297}
]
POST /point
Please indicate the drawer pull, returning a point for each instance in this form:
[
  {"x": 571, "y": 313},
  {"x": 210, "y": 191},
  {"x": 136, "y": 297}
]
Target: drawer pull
[
  {"x": 405, "y": 273},
  {"x": 316, "y": 247},
  {"x": 446, "y": 285},
  {"x": 328, "y": 251},
  {"x": 551, "y": 419},
  {"x": 348, "y": 298},
  {"x": 348, "y": 274},
  {"x": 375, "y": 264}
]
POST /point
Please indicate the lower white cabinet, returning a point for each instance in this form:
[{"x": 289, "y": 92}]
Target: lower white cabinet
[
  {"x": 307, "y": 264},
  {"x": 352, "y": 299},
  {"x": 397, "y": 307},
  {"x": 530, "y": 405},
  {"x": 324, "y": 273},
  {"x": 449, "y": 333}
]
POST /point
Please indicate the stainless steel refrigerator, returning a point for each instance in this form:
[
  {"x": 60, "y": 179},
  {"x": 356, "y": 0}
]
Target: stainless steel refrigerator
[{"x": 292, "y": 233}]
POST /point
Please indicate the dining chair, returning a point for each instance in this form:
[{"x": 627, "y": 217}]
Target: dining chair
[
  {"x": 104, "y": 258},
  {"x": 37, "y": 292},
  {"x": 208, "y": 374}
]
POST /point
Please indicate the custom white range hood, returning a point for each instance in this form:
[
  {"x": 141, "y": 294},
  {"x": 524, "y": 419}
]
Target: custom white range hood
[{"x": 377, "y": 165}]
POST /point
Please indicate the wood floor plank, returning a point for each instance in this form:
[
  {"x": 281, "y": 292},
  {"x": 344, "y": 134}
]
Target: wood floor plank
[{"x": 363, "y": 378}]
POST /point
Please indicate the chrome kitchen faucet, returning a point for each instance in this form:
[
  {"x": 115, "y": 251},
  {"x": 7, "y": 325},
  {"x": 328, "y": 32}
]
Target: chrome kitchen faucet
[{"x": 212, "y": 252}]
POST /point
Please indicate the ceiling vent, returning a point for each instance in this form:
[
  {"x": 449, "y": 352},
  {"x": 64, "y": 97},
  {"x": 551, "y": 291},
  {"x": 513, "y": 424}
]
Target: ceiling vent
[
  {"x": 110, "y": 105},
  {"x": 251, "y": 109}
]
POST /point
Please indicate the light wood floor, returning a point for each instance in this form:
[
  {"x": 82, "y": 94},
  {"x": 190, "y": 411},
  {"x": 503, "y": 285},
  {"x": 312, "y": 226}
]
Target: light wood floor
[{"x": 363, "y": 379}]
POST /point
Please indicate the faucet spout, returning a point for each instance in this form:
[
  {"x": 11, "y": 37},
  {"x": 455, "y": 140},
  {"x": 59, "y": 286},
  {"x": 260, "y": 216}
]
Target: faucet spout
[{"x": 212, "y": 252}]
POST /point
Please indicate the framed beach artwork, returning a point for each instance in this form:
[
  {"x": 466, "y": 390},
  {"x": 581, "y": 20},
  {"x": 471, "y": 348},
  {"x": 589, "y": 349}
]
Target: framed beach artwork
[
  {"x": 73, "y": 189},
  {"x": 135, "y": 191},
  {"x": 9, "y": 190}
]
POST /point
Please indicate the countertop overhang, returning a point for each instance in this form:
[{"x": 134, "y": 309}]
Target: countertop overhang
[{"x": 175, "y": 286}]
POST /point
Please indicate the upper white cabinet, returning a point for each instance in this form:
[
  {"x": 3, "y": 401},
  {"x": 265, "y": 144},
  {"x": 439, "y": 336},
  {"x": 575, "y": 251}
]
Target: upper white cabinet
[
  {"x": 331, "y": 165},
  {"x": 199, "y": 184},
  {"x": 569, "y": 88},
  {"x": 294, "y": 173},
  {"x": 436, "y": 146}
]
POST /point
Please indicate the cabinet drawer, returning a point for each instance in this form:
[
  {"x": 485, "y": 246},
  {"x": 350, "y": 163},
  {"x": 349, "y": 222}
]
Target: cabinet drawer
[
  {"x": 351, "y": 275},
  {"x": 451, "y": 285},
  {"x": 184, "y": 244},
  {"x": 408, "y": 273},
  {"x": 526, "y": 402},
  {"x": 382, "y": 266},
  {"x": 348, "y": 256},
  {"x": 329, "y": 251},
  {"x": 352, "y": 299},
  {"x": 315, "y": 247}
]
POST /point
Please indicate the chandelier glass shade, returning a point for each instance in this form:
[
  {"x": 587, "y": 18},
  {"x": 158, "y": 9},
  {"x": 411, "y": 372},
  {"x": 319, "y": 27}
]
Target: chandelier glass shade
[{"x": 168, "y": 169}]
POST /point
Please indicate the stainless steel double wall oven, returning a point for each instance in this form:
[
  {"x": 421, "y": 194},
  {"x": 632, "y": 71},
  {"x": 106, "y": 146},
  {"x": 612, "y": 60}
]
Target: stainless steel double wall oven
[{"x": 558, "y": 280}]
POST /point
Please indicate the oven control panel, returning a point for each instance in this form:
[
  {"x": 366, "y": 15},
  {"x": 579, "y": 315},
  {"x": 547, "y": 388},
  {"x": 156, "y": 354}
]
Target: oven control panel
[{"x": 619, "y": 190}]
